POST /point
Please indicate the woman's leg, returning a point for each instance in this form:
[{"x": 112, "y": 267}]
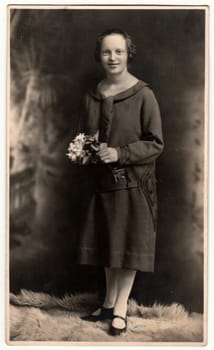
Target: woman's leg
[
  {"x": 111, "y": 289},
  {"x": 125, "y": 279}
]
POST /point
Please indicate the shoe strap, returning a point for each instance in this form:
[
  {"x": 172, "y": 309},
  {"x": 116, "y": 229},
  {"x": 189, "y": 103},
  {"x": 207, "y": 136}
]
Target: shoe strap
[
  {"x": 107, "y": 308},
  {"x": 122, "y": 318}
]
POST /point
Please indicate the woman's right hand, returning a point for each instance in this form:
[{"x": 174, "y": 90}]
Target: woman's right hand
[{"x": 108, "y": 154}]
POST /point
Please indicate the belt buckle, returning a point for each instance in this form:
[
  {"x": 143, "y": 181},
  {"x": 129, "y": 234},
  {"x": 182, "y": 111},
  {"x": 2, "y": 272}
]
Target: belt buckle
[{"x": 119, "y": 174}]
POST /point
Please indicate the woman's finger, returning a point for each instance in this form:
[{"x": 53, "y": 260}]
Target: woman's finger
[
  {"x": 105, "y": 157},
  {"x": 104, "y": 153}
]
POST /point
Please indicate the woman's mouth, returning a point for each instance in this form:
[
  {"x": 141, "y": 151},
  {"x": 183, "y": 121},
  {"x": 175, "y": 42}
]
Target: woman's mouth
[{"x": 113, "y": 65}]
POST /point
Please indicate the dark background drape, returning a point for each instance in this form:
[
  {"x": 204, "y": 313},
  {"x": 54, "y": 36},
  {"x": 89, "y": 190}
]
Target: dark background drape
[{"x": 56, "y": 48}]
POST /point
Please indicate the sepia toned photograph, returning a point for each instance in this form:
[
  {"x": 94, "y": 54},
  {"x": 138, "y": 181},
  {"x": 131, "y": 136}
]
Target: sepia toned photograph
[{"x": 107, "y": 175}]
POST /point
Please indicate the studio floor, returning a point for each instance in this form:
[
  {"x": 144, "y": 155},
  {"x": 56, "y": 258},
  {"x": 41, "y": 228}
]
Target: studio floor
[{"x": 39, "y": 317}]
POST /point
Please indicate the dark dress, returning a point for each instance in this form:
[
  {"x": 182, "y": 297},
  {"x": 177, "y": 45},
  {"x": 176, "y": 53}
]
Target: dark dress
[{"x": 119, "y": 205}]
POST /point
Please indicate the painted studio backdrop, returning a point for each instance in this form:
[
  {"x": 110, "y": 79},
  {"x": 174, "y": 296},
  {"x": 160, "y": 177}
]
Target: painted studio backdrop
[{"x": 52, "y": 64}]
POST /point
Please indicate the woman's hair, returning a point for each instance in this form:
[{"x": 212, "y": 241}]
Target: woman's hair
[{"x": 131, "y": 48}]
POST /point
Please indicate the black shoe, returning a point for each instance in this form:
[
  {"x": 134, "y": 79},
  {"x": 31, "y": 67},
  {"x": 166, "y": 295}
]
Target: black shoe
[
  {"x": 105, "y": 314},
  {"x": 118, "y": 331}
]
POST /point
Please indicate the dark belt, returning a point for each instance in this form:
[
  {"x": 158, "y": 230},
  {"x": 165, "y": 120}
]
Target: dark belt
[{"x": 117, "y": 179}]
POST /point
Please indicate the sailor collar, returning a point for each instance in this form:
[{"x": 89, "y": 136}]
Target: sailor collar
[{"x": 121, "y": 95}]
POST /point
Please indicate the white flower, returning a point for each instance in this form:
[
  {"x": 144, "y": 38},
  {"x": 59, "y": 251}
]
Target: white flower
[
  {"x": 79, "y": 148},
  {"x": 80, "y": 138}
]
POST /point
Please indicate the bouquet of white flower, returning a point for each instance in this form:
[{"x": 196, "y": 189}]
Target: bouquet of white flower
[{"x": 83, "y": 149}]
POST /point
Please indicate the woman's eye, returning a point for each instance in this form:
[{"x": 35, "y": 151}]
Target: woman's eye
[
  {"x": 105, "y": 53},
  {"x": 119, "y": 52}
]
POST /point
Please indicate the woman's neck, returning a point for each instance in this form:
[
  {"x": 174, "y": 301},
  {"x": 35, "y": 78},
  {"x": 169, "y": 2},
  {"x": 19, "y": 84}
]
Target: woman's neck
[
  {"x": 116, "y": 84},
  {"x": 117, "y": 79}
]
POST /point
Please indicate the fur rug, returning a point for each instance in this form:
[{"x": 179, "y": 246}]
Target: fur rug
[{"x": 41, "y": 317}]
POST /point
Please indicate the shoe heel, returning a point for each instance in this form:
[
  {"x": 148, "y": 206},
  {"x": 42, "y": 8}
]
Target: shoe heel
[{"x": 118, "y": 331}]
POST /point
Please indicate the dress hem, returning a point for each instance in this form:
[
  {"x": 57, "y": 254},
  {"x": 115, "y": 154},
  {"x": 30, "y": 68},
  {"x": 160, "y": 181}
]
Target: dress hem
[{"x": 133, "y": 261}]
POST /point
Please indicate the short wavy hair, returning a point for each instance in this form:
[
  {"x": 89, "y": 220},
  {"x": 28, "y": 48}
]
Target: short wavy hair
[{"x": 131, "y": 48}]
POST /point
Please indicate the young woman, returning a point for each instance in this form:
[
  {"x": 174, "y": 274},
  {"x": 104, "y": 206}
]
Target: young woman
[{"x": 118, "y": 228}]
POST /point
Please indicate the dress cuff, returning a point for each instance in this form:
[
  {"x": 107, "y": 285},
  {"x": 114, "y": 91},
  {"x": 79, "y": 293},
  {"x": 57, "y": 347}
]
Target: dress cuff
[
  {"x": 122, "y": 152},
  {"x": 118, "y": 153}
]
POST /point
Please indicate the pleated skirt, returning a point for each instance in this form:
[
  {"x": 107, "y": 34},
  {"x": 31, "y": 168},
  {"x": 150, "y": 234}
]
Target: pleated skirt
[{"x": 117, "y": 230}]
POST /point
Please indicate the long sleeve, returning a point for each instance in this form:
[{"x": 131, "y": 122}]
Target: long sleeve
[
  {"x": 82, "y": 115},
  {"x": 89, "y": 115},
  {"x": 150, "y": 146}
]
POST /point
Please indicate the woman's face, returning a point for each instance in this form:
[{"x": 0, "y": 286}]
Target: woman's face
[{"x": 113, "y": 54}]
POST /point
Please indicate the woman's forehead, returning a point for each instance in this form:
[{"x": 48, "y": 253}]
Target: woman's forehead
[{"x": 114, "y": 40}]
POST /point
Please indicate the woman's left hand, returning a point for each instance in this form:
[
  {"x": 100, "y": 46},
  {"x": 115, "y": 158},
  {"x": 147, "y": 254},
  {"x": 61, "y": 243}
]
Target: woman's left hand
[{"x": 108, "y": 155}]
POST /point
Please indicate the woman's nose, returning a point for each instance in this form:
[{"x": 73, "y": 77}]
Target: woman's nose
[{"x": 112, "y": 56}]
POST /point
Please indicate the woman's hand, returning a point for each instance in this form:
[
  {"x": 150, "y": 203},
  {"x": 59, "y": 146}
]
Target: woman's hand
[{"x": 108, "y": 154}]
